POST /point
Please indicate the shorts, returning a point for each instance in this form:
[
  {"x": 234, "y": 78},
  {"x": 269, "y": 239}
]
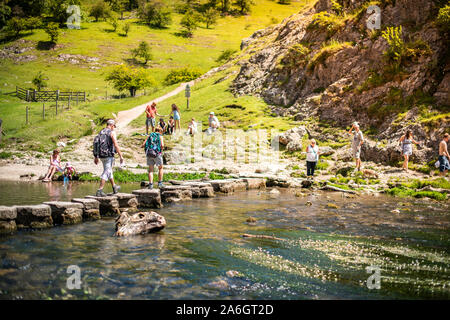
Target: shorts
[
  {"x": 176, "y": 116},
  {"x": 158, "y": 161},
  {"x": 356, "y": 152},
  {"x": 150, "y": 122},
  {"x": 443, "y": 164},
  {"x": 108, "y": 164}
]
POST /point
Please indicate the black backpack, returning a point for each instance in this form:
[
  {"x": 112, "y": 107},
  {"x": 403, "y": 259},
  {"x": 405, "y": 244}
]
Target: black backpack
[{"x": 103, "y": 145}]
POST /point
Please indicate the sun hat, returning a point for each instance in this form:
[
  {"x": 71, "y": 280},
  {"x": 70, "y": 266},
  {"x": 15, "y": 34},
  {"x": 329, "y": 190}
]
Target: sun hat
[
  {"x": 111, "y": 122},
  {"x": 211, "y": 113}
]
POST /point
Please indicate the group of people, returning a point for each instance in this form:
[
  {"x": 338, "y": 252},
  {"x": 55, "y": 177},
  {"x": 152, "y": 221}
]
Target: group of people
[
  {"x": 173, "y": 124},
  {"x": 106, "y": 146},
  {"x": 406, "y": 141},
  {"x": 55, "y": 166}
]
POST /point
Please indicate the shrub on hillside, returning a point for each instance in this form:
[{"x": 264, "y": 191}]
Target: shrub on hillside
[
  {"x": 142, "y": 51},
  {"x": 131, "y": 79},
  {"x": 16, "y": 25},
  {"x": 156, "y": 14},
  {"x": 189, "y": 23},
  {"x": 326, "y": 21},
  {"x": 296, "y": 55},
  {"x": 100, "y": 10},
  {"x": 226, "y": 55},
  {"x": 182, "y": 75},
  {"x": 327, "y": 50},
  {"x": 443, "y": 18},
  {"x": 52, "y": 29}
]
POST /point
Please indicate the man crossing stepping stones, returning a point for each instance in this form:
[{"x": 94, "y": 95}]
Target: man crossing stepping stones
[
  {"x": 105, "y": 147},
  {"x": 154, "y": 145}
]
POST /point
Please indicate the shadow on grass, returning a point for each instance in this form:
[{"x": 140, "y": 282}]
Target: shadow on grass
[{"x": 45, "y": 45}]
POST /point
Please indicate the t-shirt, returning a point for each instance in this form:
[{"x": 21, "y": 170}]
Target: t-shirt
[
  {"x": 151, "y": 111},
  {"x": 312, "y": 153},
  {"x": 357, "y": 138}
]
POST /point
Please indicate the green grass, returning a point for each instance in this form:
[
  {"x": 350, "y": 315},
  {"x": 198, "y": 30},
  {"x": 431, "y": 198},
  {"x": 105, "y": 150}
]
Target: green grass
[
  {"x": 124, "y": 176},
  {"x": 233, "y": 112},
  {"x": 405, "y": 192},
  {"x": 95, "y": 39},
  {"x": 328, "y": 49}
]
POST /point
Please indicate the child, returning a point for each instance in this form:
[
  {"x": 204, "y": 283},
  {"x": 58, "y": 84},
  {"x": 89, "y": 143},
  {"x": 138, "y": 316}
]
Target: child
[
  {"x": 69, "y": 171},
  {"x": 192, "y": 127},
  {"x": 176, "y": 116},
  {"x": 170, "y": 125},
  {"x": 55, "y": 165},
  {"x": 162, "y": 124}
]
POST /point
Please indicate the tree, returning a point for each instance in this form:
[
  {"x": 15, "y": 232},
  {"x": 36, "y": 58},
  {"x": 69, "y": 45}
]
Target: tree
[
  {"x": 5, "y": 13},
  {"x": 189, "y": 23},
  {"x": 39, "y": 80},
  {"x": 100, "y": 10},
  {"x": 57, "y": 9},
  {"x": 142, "y": 51},
  {"x": 118, "y": 6},
  {"x": 53, "y": 31},
  {"x": 113, "y": 22},
  {"x": 244, "y": 5},
  {"x": 225, "y": 6},
  {"x": 210, "y": 17},
  {"x": 126, "y": 28},
  {"x": 16, "y": 25},
  {"x": 156, "y": 14},
  {"x": 124, "y": 78}
]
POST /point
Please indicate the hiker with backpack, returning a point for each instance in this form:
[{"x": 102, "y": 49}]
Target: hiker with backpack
[
  {"x": 105, "y": 147},
  {"x": 153, "y": 146}
]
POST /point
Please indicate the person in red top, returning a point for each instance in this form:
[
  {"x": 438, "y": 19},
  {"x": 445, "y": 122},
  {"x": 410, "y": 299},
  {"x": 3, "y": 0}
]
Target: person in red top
[{"x": 151, "y": 113}]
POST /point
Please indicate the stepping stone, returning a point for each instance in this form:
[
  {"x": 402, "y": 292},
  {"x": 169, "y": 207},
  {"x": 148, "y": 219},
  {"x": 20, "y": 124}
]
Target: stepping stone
[
  {"x": 7, "y": 220},
  {"x": 34, "y": 216},
  {"x": 255, "y": 183},
  {"x": 127, "y": 200},
  {"x": 176, "y": 194},
  {"x": 109, "y": 205},
  {"x": 228, "y": 185},
  {"x": 148, "y": 198},
  {"x": 91, "y": 208},
  {"x": 66, "y": 212}
]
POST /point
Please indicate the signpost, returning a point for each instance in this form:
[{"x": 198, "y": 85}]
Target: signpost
[{"x": 187, "y": 94}]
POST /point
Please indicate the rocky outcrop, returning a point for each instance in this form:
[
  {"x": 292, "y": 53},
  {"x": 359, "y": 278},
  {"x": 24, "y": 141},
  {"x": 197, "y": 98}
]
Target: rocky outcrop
[
  {"x": 343, "y": 75},
  {"x": 7, "y": 219},
  {"x": 34, "y": 216},
  {"x": 139, "y": 223}
]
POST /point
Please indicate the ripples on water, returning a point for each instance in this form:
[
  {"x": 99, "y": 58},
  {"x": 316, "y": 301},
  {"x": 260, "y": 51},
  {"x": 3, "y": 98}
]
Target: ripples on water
[{"x": 323, "y": 252}]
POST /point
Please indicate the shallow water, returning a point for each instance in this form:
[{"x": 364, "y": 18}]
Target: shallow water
[{"x": 323, "y": 253}]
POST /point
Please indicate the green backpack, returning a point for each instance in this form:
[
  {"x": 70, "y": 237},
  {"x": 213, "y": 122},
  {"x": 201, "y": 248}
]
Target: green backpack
[{"x": 153, "y": 145}]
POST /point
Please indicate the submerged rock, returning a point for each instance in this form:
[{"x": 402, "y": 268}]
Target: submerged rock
[{"x": 139, "y": 223}]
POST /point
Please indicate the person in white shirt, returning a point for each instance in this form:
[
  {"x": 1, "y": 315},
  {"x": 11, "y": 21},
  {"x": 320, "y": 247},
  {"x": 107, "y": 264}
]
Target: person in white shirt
[
  {"x": 214, "y": 123},
  {"x": 192, "y": 127},
  {"x": 312, "y": 156}
]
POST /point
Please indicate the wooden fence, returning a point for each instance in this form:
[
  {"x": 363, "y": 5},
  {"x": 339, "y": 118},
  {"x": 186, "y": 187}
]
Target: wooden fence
[{"x": 44, "y": 96}]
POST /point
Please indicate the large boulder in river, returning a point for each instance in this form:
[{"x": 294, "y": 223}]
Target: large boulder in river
[{"x": 139, "y": 223}]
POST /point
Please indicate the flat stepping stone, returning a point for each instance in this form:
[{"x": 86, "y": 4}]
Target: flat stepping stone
[
  {"x": 66, "y": 212},
  {"x": 7, "y": 220},
  {"x": 109, "y": 205},
  {"x": 91, "y": 208},
  {"x": 127, "y": 200},
  {"x": 175, "y": 195},
  {"x": 148, "y": 198},
  {"x": 254, "y": 183},
  {"x": 228, "y": 185},
  {"x": 34, "y": 216}
]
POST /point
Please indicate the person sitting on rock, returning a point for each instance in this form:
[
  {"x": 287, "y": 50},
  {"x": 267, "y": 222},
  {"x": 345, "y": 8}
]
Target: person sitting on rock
[
  {"x": 406, "y": 141},
  {"x": 192, "y": 127},
  {"x": 214, "y": 123},
  {"x": 55, "y": 165},
  {"x": 357, "y": 142},
  {"x": 312, "y": 156},
  {"x": 170, "y": 125},
  {"x": 162, "y": 124}
]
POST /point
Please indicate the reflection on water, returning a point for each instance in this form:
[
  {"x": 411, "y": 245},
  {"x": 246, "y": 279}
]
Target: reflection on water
[{"x": 323, "y": 253}]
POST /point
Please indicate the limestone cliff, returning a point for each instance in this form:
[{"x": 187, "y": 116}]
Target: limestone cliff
[{"x": 324, "y": 62}]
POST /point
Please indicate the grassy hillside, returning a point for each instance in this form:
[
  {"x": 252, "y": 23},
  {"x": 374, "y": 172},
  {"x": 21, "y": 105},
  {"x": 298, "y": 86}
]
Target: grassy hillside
[{"x": 97, "y": 40}]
